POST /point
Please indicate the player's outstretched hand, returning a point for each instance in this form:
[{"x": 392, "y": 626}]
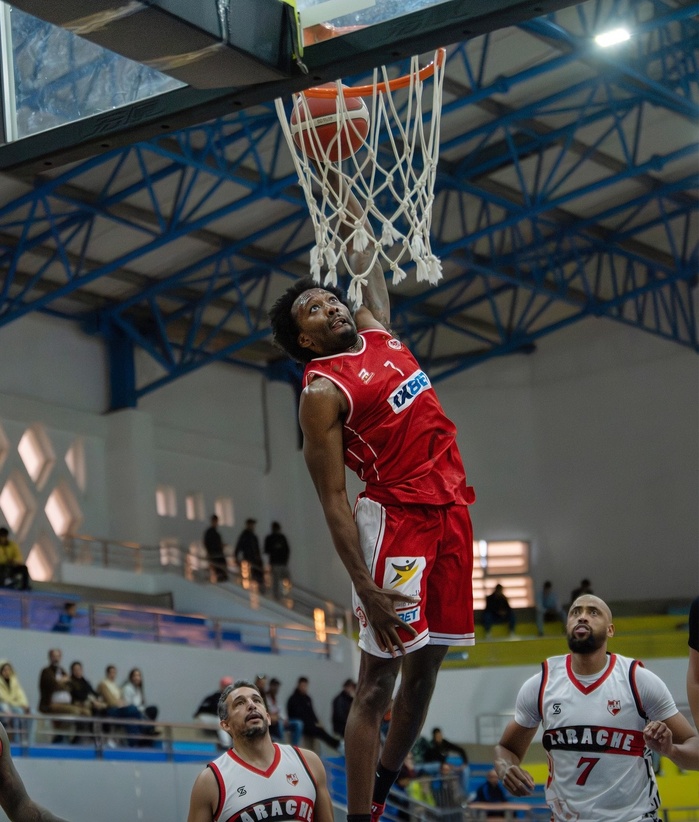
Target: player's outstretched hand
[
  {"x": 380, "y": 609},
  {"x": 518, "y": 781},
  {"x": 658, "y": 737}
]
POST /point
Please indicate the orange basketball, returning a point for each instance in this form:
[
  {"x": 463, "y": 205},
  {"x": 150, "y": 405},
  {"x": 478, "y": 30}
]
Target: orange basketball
[{"x": 325, "y": 134}]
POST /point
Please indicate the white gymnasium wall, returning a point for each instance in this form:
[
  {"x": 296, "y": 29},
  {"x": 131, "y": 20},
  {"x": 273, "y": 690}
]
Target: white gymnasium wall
[{"x": 589, "y": 449}]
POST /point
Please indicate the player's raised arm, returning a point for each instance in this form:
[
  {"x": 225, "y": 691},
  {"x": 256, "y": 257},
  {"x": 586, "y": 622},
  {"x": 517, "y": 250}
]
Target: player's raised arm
[{"x": 375, "y": 292}]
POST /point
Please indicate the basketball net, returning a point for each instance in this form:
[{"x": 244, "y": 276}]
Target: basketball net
[{"x": 391, "y": 175}]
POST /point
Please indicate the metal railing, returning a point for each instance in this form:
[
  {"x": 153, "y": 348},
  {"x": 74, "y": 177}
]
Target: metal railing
[
  {"x": 193, "y": 564},
  {"x": 37, "y": 611}
]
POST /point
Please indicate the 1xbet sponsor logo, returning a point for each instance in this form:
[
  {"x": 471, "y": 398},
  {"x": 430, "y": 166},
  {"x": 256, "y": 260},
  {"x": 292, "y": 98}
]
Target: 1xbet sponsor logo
[{"x": 406, "y": 392}]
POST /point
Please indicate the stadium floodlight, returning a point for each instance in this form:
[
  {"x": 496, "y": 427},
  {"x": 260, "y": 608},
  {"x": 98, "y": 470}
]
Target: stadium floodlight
[{"x": 612, "y": 37}]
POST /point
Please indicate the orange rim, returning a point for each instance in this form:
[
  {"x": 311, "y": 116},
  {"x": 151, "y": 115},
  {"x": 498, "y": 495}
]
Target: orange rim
[{"x": 330, "y": 90}]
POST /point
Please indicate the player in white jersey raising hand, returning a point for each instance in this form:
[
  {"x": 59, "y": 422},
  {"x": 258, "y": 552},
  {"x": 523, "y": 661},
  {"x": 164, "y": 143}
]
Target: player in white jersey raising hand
[
  {"x": 602, "y": 714},
  {"x": 258, "y": 778}
]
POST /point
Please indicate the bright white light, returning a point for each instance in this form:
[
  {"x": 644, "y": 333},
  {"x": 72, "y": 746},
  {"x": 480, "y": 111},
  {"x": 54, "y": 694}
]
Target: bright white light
[{"x": 611, "y": 38}]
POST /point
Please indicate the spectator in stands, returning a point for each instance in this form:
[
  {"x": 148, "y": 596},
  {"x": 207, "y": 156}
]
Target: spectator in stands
[
  {"x": 548, "y": 608},
  {"x": 498, "y": 611},
  {"x": 117, "y": 707},
  {"x": 341, "y": 707},
  {"x": 207, "y": 712},
  {"x": 13, "y": 699},
  {"x": 82, "y": 693},
  {"x": 213, "y": 543},
  {"x": 693, "y": 667},
  {"x": 278, "y": 721},
  {"x": 134, "y": 694},
  {"x": 54, "y": 691},
  {"x": 247, "y": 549},
  {"x": 13, "y": 795},
  {"x": 447, "y": 794},
  {"x": 442, "y": 750},
  {"x": 491, "y": 791},
  {"x": 64, "y": 623},
  {"x": 300, "y": 706},
  {"x": 277, "y": 551},
  {"x": 585, "y": 587},
  {"x": 13, "y": 572}
]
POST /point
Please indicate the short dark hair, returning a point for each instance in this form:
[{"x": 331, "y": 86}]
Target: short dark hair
[
  {"x": 239, "y": 683},
  {"x": 285, "y": 331}
]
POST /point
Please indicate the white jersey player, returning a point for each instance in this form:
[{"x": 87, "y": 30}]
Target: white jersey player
[
  {"x": 602, "y": 714},
  {"x": 258, "y": 778}
]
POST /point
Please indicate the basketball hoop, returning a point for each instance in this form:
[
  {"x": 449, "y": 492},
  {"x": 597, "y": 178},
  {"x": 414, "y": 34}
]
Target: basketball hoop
[{"x": 390, "y": 171}]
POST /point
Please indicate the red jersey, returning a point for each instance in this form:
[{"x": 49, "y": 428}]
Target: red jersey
[{"x": 396, "y": 435}]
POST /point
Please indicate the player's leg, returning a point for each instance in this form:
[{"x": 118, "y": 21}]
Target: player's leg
[
  {"x": 418, "y": 678},
  {"x": 375, "y": 684}
]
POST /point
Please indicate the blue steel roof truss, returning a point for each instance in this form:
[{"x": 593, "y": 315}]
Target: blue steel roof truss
[{"x": 521, "y": 263}]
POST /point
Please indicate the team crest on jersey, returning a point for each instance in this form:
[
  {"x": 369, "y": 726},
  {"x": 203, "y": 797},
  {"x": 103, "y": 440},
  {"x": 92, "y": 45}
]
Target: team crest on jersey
[
  {"x": 395, "y": 344},
  {"x": 613, "y": 706},
  {"x": 292, "y": 779}
]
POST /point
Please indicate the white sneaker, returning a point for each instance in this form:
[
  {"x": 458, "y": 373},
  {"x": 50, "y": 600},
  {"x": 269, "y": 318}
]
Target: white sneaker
[{"x": 110, "y": 743}]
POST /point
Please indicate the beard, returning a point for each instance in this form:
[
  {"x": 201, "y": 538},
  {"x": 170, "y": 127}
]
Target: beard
[
  {"x": 587, "y": 645},
  {"x": 257, "y": 731}
]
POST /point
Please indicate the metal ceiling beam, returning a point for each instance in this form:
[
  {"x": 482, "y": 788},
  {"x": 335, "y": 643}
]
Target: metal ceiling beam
[
  {"x": 552, "y": 275},
  {"x": 381, "y": 44}
]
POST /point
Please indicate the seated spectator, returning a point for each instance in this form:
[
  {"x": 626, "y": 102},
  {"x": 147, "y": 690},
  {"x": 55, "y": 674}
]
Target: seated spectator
[
  {"x": 13, "y": 699},
  {"x": 442, "y": 750},
  {"x": 82, "y": 693},
  {"x": 134, "y": 694},
  {"x": 207, "y": 712},
  {"x": 447, "y": 794},
  {"x": 341, "y": 706},
  {"x": 300, "y": 706},
  {"x": 54, "y": 691},
  {"x": 64, "y": 623},
  {"x": 491, "y": 791},
  {"x": 113, "y": 697},
  {"x": 548, "y": 608},
  {"x": 498, "y": 611},
  {"x": 279, "y": 723},
  {"x": 13, "y": 572}
]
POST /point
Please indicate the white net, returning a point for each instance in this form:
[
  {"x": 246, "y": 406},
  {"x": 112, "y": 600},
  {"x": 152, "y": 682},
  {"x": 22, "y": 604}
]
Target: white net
[{"x": 391, "y": 176}]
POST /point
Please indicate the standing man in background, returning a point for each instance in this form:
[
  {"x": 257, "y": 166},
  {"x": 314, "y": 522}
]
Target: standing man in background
[
  {"x": 247, "y": 549},
  {"x": 602, "y": 716},
  {"x": 214, "y": 549},
  {"x": 277, "y": 551},
  {"x": 367, "y": 405}
]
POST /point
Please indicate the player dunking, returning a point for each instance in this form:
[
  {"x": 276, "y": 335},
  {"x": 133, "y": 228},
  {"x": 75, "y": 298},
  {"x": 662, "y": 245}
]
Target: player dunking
[
  {"x": 602, "y": 714},
  {"x": 258, "y": 778},
  {"x": 367, "y": 404}
]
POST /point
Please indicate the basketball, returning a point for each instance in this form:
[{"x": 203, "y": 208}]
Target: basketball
[{"x": 327, "y": 130}]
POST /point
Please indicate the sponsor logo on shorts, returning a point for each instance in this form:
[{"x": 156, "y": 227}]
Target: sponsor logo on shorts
[
  {"x": 411, "y": 615},
  {"x": 404, "y": 396},
  {"x": 404, "y": 574}
]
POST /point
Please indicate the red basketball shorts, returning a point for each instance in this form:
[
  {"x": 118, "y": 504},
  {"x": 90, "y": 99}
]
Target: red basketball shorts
[{"x": 424, "y": 551}]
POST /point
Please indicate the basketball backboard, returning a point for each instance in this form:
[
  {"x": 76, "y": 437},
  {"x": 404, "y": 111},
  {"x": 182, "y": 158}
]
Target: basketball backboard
[{"x": 212, "y": 58}]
